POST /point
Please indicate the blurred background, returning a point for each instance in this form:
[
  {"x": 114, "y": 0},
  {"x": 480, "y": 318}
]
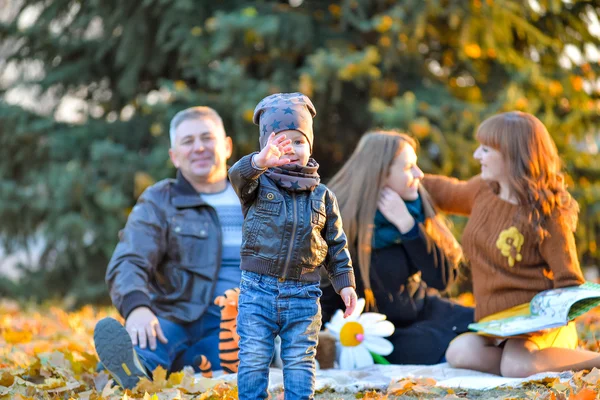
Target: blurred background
[{"x": 87, "y": 89}]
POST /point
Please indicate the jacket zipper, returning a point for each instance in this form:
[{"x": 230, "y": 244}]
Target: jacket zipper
[{"x": 293, "y": 237}]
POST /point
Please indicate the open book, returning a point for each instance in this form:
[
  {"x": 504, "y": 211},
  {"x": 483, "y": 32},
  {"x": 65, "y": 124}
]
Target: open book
[{"x": 551, "y": 308}]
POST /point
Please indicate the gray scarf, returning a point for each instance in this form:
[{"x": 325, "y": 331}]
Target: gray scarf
[{"x": 295, "y": 178}]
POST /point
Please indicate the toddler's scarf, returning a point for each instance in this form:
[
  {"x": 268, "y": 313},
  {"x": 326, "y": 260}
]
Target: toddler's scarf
[{"x": 296, "y": 178}]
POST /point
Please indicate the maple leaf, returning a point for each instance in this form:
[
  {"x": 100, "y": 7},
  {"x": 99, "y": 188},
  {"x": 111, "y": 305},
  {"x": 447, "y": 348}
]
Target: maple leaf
[
  {"x": 593, "y": 377},
  {"x": 400, "y": 387},
  {"x": 17, "y": 337},
  {"x": 584, "y": 394}
]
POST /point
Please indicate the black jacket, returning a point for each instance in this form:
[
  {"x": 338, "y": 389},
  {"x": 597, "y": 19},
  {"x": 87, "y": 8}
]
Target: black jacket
[
  {"x": 169, "y": 254},
  {"x": 290, "y": 234},
  {"x": 400, "y": 276}
]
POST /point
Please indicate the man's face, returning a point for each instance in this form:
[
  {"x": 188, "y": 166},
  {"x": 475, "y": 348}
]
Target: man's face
[{"x": 201, "y": 150}]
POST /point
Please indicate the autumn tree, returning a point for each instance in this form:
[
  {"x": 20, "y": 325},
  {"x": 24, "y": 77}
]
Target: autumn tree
[{"x": 432, "y": 68}]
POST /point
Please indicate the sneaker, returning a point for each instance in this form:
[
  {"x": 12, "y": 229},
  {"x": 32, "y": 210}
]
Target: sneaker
[{"x": 116, "y": 353}]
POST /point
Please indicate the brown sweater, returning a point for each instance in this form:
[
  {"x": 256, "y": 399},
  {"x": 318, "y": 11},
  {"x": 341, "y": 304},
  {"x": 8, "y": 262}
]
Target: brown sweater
[{"x": 509, "y": 266}]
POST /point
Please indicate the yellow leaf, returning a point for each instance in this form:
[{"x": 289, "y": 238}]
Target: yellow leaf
[
  {"x": 249, "y": 12},
  {"x": 385, "y": 24},
  {"x": 555, "y": 88},
  {"x": 176, "y": 378},
  {"x": 159, "y": 376},
  {"x": 141, "y": 181},
  {"x": 6, "y": 379},
  {"x": 156, "y": 129},
  {"x": 306, "y": 85},
  {"x": 196, "y": 31},
  {"x": 248, "y": 115},
  {"x": 335, "y": 10},
  {"x": 473, "y": 50},
  {"x": 561, "y": 387},
  {"x": 17, "y": 337},
  {"x": 577, "y": 83},
  {"x": 400, "y": 387},
  {"x": 180, "y": 85},
  {"x": 385, "y": 41}
]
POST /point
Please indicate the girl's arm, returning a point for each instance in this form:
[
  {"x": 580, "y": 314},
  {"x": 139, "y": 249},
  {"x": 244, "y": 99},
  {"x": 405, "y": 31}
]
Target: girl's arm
[
  {"x": 559, "y": 251},
  {"x": 451, "y": 195}
]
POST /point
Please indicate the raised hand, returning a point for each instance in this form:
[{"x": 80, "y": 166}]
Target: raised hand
[
  {"x": 272, "y": 155},
  {"x": 394, "y": 210}
]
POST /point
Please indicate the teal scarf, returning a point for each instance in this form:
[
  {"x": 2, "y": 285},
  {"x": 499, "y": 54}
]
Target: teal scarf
[{"x": 386, "y": 234}]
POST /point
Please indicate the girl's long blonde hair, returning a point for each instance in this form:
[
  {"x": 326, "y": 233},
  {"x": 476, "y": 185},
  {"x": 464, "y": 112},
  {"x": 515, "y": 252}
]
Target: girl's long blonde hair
[
  {"x": 357, "y": 186},
  {"x": 534, "y": 168}
]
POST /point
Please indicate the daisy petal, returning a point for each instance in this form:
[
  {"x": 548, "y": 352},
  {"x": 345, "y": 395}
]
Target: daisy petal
[
  {"x": 360, "y": 306},
  {"x": 362, "y": 357},
  {"x": 378, "y": 345},
  {"x": 347, "y": 358},
  {"x": 381, "y": 329},
  {"x": 336, "y": 322},
  {"x": 369, "y": 318}
]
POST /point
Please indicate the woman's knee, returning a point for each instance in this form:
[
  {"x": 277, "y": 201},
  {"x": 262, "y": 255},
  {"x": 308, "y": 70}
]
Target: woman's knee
[
  {"x": 462, "y": 350},
  {"x": 517, "y": 360}
]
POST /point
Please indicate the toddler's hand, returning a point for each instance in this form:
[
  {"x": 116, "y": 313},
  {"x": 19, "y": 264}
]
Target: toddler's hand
[
  {"x": 348, "y": 294},
  {"x": 271, "y": 155}
]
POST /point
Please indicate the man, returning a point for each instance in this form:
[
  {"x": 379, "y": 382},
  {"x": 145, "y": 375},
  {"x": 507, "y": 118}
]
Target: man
[{"x": 179, "y": 250}]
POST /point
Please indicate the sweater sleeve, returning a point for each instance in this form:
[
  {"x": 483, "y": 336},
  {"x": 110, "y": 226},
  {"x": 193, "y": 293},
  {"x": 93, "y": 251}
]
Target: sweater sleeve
[
  {"x": 559, "y": 251},
  {"x": 451, "y": 195}
]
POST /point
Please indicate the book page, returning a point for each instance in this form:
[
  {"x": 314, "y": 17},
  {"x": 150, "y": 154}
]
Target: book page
[
  {"x": 515, "y": 325},
  {"x": 555, "y": 303}
]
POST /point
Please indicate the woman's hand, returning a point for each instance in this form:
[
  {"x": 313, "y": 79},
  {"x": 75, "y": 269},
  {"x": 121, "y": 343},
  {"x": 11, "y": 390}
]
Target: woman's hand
[
  {"x": 348, "y": 295},
  {"x": 271, "y": 155},
  {"x": 394, "y": 210}
]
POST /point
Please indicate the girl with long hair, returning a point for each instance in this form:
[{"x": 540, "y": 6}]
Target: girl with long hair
[
  {"x": 519, "y": 241},
  {"x": 400, "y": 247}
]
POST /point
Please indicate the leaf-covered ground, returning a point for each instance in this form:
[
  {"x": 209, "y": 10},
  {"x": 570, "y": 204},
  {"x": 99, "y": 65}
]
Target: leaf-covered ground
[{"x": 47, "y": 353}]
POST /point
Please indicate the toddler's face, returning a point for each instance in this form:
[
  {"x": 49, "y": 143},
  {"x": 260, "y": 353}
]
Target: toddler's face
[{"x": 300, "y": 147}]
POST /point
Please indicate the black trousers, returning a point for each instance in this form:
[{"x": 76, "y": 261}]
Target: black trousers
[{"x": 425, "y": 340}]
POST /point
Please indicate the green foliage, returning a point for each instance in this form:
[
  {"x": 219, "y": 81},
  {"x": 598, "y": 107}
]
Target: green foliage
[{"x": 433, "y": 68}]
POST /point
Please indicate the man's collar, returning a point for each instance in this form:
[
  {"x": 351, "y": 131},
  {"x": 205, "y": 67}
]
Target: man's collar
[
  {"x": 184, "y": 194},
  {"x": 183, "y": 186}
]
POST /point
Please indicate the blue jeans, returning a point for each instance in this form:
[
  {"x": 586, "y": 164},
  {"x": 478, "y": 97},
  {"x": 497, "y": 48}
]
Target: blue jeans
[
  {"x": 269, "y": 307},
  {"x": 186, "y": 342}
]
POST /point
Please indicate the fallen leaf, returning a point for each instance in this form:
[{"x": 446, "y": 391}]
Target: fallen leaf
[
  {"x": 400, "y": 387},
  {"x": 584, "y": 394},
  {"x": 593, "y": 377}
]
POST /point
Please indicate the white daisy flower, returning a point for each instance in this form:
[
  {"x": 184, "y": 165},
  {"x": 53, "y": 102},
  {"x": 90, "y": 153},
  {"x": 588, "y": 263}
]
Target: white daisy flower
[{"x": 360, "y": 334}]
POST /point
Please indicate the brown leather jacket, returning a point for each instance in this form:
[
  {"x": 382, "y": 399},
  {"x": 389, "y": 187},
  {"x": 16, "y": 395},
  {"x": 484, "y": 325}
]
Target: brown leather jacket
[{"x": 169, "y": 254}]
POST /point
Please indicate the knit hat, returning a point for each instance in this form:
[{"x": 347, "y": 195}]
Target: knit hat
[{"x": 282, "y": 111}]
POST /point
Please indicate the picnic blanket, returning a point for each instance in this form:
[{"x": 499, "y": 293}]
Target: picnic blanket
[{"x": 379, "y": 377}]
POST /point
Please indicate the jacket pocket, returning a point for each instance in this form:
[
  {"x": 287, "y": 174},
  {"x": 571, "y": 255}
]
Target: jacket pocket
[
  {"x": 318, "y": 213},
  {"x": 263, "y": 224},
  {"x": 269, "y": 202},
  {"x": 250, "y": 232},
  {"x": 190, "y": 242}
]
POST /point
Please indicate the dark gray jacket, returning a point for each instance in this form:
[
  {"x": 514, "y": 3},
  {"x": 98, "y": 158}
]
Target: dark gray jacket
[
  {"x": 169, "y": 254},
  {"x": 290, "y": 234}
]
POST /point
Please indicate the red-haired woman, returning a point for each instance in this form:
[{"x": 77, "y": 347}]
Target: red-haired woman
[{"x": 519, "y": 240}]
